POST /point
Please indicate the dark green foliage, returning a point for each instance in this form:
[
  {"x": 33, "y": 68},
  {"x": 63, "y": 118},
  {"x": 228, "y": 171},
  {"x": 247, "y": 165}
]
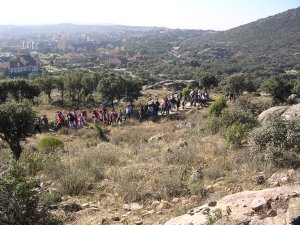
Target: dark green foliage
[
  {"x": 19, "y": 204},
  {"x": 18, "y": 90},
  {"x": 46, "y": 84},
  {"x": 279, "y": 87},
  {"x": 238, "y": 83},
  {"x": 235, "y": 133},
  {"x": 16, "y": 122},
  {"x": 216, "y": 108},
  {"x": 277, "y": 141},
  {"x": 207, "y": 80},
  {"x": 50, "y": 143},
  {"x": 113, "y": 87}
]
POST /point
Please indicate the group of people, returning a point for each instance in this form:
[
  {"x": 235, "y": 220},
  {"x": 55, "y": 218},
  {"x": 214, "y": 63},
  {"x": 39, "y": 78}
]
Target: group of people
[
  {"x": 112, "y": 117},
  {"x": 76, "y": 120}
]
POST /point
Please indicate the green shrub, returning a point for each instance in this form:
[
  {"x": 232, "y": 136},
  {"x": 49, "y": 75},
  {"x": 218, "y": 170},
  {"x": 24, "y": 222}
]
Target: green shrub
[
  {"x": 50, "y": 144},
  {"x": 235, "y": 133},
  {"x": 73, "y": 182},
  {"x": 216, "y": 108},
  {"x": 50, "y": 198},
  {"x": 34, "y": 161},
  {"x": 234, "y": 116},
  {"x": 277, "y": 141},
  {"x": 19, "y": 203}
]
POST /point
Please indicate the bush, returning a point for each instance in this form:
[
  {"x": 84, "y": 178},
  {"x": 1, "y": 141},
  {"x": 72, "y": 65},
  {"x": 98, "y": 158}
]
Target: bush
[
  {"x": 19, "y": 203},
  {"x": 101, "y": 132},
  {"x": 50, "y": 143},
  {"x": 216, "y": 108},
  {"x": 277, "y": 141},
  {"x": 34, "y": 162},
  {"x": 235, "y": 133}
]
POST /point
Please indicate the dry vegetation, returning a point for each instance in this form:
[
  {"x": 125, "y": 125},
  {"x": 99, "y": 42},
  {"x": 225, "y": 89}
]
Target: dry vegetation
[{"x": 129, "y": 168}]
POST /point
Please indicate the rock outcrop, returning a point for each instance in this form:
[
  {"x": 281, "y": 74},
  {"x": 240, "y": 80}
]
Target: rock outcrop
[
  {"x": 287, "y": 112},
  {"x": 264, "y": 207},
  {"x": 172, "y": 84}
]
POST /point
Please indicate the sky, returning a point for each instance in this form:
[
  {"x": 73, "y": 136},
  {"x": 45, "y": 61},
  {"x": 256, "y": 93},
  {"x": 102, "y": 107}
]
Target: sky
[{"x": 188, "y": 14}]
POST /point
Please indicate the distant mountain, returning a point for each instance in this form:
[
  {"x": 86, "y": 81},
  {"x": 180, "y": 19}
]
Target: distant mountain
[
  {"x": 270, "y": 42},
  {"x": 16, "y": 30}
]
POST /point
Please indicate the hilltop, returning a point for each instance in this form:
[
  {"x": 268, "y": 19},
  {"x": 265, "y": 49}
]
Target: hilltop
[{"x": 271, "y": 43}]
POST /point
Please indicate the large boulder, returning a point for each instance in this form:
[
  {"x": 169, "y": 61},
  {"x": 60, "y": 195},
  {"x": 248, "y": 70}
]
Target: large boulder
[
  {"x": 241, "y": 208},
  {"x": 277, "y": 110},
  {"x": 292, "y": 112}
]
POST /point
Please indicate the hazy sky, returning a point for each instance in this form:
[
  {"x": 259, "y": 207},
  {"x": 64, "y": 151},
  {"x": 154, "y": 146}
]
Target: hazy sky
[{"x": 196, "y": 14}]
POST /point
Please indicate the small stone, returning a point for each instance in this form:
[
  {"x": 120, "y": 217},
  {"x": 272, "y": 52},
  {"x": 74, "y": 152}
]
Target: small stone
[
  {"x": 116, "y": 218},
  {"x": 132, "y": 206},
  {"x": 260, "y": 179},
  {"x": 206, "y": 211},
  {"x": 139, "y": 222},
  {"x": 278, "y": 178},
  {"x": 175, "y": 200},
  {"x": 53, "y": 206},
  {"x": 272, "y": 212},
  {"x": 257, "y": 203},
  {"x": 212, "y": 204}
]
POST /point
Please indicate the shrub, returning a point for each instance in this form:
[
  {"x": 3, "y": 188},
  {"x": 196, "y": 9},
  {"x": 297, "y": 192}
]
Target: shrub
[
  {"x": 73, "y": 182},
  {"x": 101, "y": 133},
  {"x": 235, "y": 133},
  {"x": 216, "y": 108},
  {"x": 277, "y": 141},
  {"x": 19, "y": 203},
  {"x": 34, "y": 162},
  {"x": 50, "y": 143}
]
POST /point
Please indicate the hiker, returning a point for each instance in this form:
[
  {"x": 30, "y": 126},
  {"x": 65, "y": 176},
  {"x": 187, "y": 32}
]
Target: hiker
[
  {"x": 141, "y": 114},
  {"x": 113, "y": 116},
  {"x": 71, "y": 119},
  {"x": 45, "y": 123},
  {"x": 84, "y": 113},
  {"x": 37, "y": 123},
  {"x": 119, "y": 116},
  {"x": 80, "y": 121},
  {"x": 59, "y": 121}
]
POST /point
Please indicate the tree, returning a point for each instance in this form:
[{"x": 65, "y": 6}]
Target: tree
[
  {"x": 296, "y": 88},
  {"x": 132, "y": 89},
  {"x": 238, "y": 83},
  {"x": 279, "y": 88},
  {"x": 60, "y": 84},
  {"x": 207, "y": 80},
  {"x": 16, "y": 122},
  {"x": 111, "y": 87},
  {"x": 46, "y": 84},
  {"x": 19, "y": 204},
  {"x": 18, "y": 90},
  {"x": 74, "y": 85}
]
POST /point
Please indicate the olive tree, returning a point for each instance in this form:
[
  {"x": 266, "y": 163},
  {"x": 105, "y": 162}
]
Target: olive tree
[{"x": 16, "y": 122}]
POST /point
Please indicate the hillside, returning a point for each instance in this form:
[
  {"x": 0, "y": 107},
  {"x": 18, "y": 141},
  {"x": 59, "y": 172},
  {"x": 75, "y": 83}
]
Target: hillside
[{"x": 266, "y": 43}]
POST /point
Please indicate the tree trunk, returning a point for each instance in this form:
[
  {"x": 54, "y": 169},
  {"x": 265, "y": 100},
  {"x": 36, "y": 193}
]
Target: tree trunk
[
  {"x": 112, "y": 103},
  {"x": 16, "y": 148}
]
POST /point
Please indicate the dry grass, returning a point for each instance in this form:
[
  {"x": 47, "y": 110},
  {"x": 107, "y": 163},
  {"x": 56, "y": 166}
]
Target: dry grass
[{"x": 129, "y": 168}]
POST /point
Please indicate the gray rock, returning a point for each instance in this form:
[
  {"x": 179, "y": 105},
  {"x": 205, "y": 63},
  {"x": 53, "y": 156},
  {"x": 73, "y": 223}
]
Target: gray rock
[
  {"x": 257, "y": 203},
  {"x": 132, "y": 206},
  {"x": 277, "y": 110},
  {"x": 278, "y": 178},
  {"x": 241, "y": 215}
]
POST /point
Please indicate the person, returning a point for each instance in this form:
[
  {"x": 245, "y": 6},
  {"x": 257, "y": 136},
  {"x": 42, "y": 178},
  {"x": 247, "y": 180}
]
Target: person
[
  {"x": 95, "y": 116},
  {"x": 37, "y": 123},
  {"x": 113, "y": 116},
  {"x": 119, "y": 116},
  {"x": 80, "y": 121},
  {"x": 71, "y": 119},
  {"x": 59, "y": 121},
  {"x": 84, "y": 113},
  {"x": 45, "y": 123}
]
